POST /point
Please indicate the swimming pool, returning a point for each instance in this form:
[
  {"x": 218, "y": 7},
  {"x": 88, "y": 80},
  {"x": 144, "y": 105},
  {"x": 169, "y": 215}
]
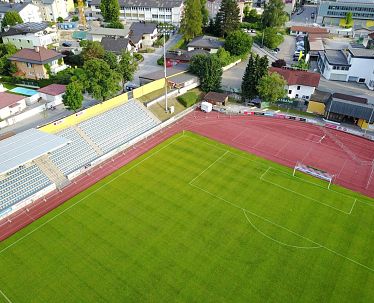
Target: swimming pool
[{"x": 24, "y": 91}]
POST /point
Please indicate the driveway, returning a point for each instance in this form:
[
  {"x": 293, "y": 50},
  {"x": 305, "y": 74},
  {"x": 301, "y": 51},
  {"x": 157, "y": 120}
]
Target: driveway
[
  {"x": 149, "y": 65},
  {"x": 287, "y": 49}
]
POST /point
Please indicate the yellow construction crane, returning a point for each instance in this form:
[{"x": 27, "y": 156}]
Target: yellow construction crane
[{"x": 82, "y": 17}]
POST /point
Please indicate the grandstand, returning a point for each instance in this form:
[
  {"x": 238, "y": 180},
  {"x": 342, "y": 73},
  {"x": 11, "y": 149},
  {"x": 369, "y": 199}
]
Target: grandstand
[{"x": 37, "y": 162}]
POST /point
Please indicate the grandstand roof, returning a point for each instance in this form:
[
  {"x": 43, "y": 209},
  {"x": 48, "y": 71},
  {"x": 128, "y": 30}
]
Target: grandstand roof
[{"x": 27, "y": 146}]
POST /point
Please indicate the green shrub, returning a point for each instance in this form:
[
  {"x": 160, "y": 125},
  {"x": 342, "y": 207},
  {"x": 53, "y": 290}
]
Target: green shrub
[
  {"x": 160, "y": 61},
  {"x": 188, "y": 99},
  {"x": 181, "y": 44},
  {"x": 138, "y": 57}
]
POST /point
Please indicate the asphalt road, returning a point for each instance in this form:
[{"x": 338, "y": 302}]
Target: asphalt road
[{"x": 306, "y": 16}]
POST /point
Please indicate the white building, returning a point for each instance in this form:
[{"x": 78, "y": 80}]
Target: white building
[
  {"x": 98, "y": 33},
  {"x": 169, "y": 11},
  {"x": 300, "y": 84},
  {"x": 52, "y": 94},
  {"x": 11, "y": 104},
  {"x": 143, "y": 34},
  {"x": 27, "y": 11},
  {"x": 50, "y": 10},
  {"x": 29, "y": 35},
  {"x": 354, "y": 65}
]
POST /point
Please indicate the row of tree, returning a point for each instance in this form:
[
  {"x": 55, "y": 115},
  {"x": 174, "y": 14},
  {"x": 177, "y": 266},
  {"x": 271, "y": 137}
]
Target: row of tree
[{"x": 100, "y": 76}]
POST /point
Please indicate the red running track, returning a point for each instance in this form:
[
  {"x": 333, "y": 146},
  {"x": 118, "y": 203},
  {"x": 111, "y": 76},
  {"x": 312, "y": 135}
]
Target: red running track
[{"x": 278, "y": 140}]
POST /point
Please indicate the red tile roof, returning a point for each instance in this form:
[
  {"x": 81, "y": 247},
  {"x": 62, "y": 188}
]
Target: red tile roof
[
  {"x": 309, "y": 29},
  {"x": 297, "y": 77},
  {"x": 31, "y": 55},
  {"x": 7, "y": 99},
  {"x": 53, "y": 89}
]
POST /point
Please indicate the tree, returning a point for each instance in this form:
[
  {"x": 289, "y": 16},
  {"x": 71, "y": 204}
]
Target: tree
[
  {"x": 204, "y": 13},
  {"x": 73, "y": 96},
  {"x": 209, "y": 70},
  {"x": 111, "y": 59},
  {"x": 93, "y": 50},
  {"x": 116, "y": 24},
  {"x": 110, "y": 10},
  {"x": 238, "y": 43},
  {"x": 257, "y": 68},
  {"x": 279, "y": 63},
  {"x": 301, "y": 64},
  {"x": 60, "y": 19},
  {"x": 11, "y": 18},
  {"x": 223, "y": 56},
  {"x": 6, "y": 67},
  {"x": 99, "y": 80},
  {"x": 348, "y": 20},
  {"x": 127, "y": 67},
  {"x": 271, "y": 37},
  {"x": 274, "y": 15},
  {"x": 271, "y": 87},
  {"x": 75, "y": 19},
  {"x": 228, "y": 18},
  {"x": 192, "y": 20},
  {"x": 251, "y": 16}
]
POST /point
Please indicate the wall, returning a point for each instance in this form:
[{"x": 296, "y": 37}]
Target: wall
[
  {"x": 361, "y": 68},
  {"x": 35, "y": 72},
  {"x": 148, "y": 88},
  {"x": 83, "y": 115},
  {"x": 31, "y": 40},
  {"x": 316, "y": 108},
  {"x": 31, "y": 13},
  {"x": 304, "y": 92}
]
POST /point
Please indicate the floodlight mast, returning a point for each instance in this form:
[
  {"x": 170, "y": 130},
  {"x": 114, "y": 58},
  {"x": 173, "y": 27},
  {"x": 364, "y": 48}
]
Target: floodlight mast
[{"x": 166, "y": 80}]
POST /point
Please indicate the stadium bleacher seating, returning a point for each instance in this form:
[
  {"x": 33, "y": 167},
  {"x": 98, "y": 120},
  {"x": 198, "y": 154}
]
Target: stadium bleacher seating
[
  {"x": 118, "y": 126},
  {"x": 74, "y": 155},
  {"x": 21, "y": 183}
]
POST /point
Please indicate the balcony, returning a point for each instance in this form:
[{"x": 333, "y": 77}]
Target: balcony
[{"x": 57, "y": 68}]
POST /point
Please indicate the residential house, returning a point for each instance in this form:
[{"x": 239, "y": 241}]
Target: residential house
[
  {"x": 37, "y": 63},
  {"x": 11, "y": 104},
  {"x": 143, "y": 34},
  {"x": 208, "y": 43},
  {"x": 300, "y": 84},
  {"x": 116, "y": 45},
  {"x": 169, "y": 11},
  {"x": 353, "y": 64},
  {"x": 29, "y": 35},
  {"x": 52, "y": 94},
  {"x": 50, "y": 10},
  {"x": 27, "y": 11},
  {"x": 178, "y": 56},
  {"x": 213, "y": 7},
  {"x": 98, "y": 33}
]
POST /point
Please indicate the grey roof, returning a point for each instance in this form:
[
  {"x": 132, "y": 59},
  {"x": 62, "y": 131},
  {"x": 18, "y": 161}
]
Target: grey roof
[
  {"x": 105, "y": 31},
  {"x": 206, "y": 42},
  {"x": 362, "y": 52},
  {"x": 24, "y": 28},
  {"x": 145, "y": 3},
  {"x": 320, "y": 96},
  {"x": 27, "y": 146},
  {"x": 115, "y": 45},
  {"x": 6, "y": 7},
  {"x": 351, "y": 109},
  {"x": 138, "y": 29},
  {"x": 336, "y": 57},
  {"x": 184, "y": 55},
  {"x": 182, "y": 78}
]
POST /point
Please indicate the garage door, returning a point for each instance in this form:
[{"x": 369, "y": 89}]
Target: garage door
[
  {"x": 352, "y": 79},
  {"x": 338, "y": 77}
]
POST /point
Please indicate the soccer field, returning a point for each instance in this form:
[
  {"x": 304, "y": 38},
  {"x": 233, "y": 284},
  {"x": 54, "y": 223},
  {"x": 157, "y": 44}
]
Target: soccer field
[{"x": 194, "y": 220}]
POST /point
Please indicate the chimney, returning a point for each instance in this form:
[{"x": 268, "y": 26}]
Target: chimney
[{"x": 37, "y": 49}]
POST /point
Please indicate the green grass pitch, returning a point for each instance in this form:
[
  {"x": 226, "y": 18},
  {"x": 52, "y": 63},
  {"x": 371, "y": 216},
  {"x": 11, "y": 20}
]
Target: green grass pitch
[{"x": 196, "y": 221}]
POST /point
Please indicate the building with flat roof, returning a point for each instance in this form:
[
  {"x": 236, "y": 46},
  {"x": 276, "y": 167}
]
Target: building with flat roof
[
  {"x": 11, "y": 104},
  {"x": 332, "y": 12}
]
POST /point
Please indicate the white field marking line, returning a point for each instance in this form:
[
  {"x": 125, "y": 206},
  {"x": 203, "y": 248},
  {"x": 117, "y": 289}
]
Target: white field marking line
[
  {"x": 302, "y": 195},
  {"x": 240, "y": 133},
  {"x": 211, "y": 164},
  {"x": 266, "y": 171},
  {"x": 88, "y": 195},
  {"x": 6, "y": 298},
  {"x": 353, "y": 205},
  {"x": 275, "y": 240},
  {"x": 271, "y": 222}
]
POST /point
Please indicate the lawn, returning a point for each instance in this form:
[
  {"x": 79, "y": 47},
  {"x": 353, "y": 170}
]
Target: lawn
[
  {"x": 196, "y": 221},
  {"x": 153, "y": 95}
]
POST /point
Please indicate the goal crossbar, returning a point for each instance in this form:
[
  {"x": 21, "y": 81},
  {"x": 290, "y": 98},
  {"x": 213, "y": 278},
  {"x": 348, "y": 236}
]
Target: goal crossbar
[{"x": 315, "y": 172}]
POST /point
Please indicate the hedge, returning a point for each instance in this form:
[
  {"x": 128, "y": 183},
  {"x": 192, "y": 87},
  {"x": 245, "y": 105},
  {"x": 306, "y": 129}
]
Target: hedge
[{"x": 188, "y": 99}]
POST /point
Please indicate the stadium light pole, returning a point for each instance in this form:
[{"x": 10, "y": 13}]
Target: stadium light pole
[{"x": 166, "y": 81}]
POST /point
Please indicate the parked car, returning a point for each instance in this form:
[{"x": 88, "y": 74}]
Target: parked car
[
  {"x": 67, "y": 44},
  {"x": 131, "y": 86},
  {"x": 312, "y": 15},
  {"x": 253, "y": 31},
  {"x": 277, "y": 49}
]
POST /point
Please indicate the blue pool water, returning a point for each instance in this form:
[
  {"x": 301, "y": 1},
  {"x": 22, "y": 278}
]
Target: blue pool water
[{"x": 24, "y": 91}]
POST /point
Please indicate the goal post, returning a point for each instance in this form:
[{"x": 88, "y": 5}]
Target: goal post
[{"x": 315, "y": 172}]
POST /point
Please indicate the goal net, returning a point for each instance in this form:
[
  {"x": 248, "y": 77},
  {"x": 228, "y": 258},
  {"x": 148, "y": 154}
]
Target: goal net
[{"x": 315, "y": 172}]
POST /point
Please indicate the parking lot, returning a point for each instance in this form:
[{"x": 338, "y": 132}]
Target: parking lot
[
  {"x": 305, "y": 17},
  {"x": 287, "y": 49}
]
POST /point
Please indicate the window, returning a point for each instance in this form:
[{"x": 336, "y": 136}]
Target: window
[
  {"x": 297, "y": 96},
  {"x": 290, "y": 91},
  {"x": 298, "y": 87},
  {"x": 29, "y": 65}
]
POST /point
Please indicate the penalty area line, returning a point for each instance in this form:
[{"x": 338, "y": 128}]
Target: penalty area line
[{"x": 5, "y": 297}]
